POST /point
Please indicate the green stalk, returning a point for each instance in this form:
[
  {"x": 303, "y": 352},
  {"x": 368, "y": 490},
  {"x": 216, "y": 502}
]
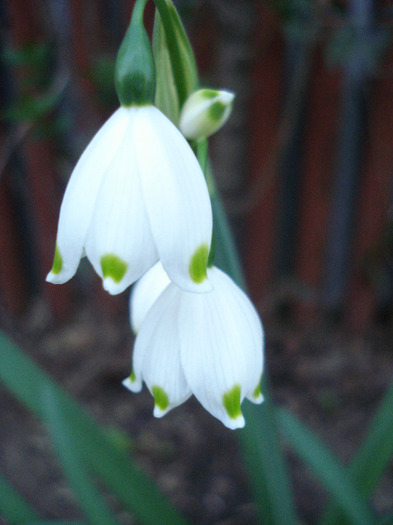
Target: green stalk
[
  {"x": 91, "y": 503},
  {"x": 327, "y": 469}
]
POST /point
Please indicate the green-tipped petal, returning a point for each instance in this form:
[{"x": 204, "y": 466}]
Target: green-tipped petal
[
  {"x": 176, "y": 197},
  {"x": 80, "y": 196},
  {"x": 119, "y": 242},
  {"x": 221, "y": 342},
  {"x": 156, "y": 355},
  {"x": 132, "y": 383}
]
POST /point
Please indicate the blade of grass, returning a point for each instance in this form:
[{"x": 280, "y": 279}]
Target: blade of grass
[
  {"x": 13, "y": 507},
  {"x": 372, "y": 456},
  {"x": 138, "y": 494},
  {"x": 45, "y": 522},
  {"x": 91, "y": 503},
  {"x": 267, "y": 471},
  {"x": 326, "y": 468}
]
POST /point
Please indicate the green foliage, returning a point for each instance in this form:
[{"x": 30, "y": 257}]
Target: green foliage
[
  {"x": 39, "y": 93},
  {"x": 86, "y": 443},
  {"x": 12, "y": 504},
  {"x": 179, "y": 50}
]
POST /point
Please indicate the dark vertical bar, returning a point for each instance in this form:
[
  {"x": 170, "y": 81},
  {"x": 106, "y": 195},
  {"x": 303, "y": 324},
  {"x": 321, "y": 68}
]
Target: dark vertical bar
[
  {"x": 349, "y": 156},
  {"x": 300, "y": 37}
]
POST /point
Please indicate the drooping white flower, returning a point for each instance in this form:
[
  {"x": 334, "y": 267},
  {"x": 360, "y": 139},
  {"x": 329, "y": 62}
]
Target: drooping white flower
[
  {"x": 209, "y": 345},
  {"x": 205, "y": 112},
  {"x": 136, "y": 195}
]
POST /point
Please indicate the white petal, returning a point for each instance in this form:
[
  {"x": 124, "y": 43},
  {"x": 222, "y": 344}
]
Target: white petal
[
  {"x": 80, "y": 195},
  {"x": 119, "y": 242},
  {"x": 145, "y": 292},
  {"x": 156, "y": 357},
  {"x": 221, "y": 347},
  {"x": 132, "y": 384},
  {"x": 176, "y": 198}
]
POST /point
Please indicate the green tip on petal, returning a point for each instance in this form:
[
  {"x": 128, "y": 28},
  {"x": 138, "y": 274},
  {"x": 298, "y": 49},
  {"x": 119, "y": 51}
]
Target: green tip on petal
[
  {"x": 198, "y": 264},
  {"x": 257, "y": 392},
  {"x": 216, "y": 111},
  {"x": 209, "y": 93},
  {"x": 231, "y": 402},
  {"x": 57, "y": 262},
  {"x": 132, "y": 377},
  {"x": 161, "y": 399},
  {"x": 112, "y": 266}
]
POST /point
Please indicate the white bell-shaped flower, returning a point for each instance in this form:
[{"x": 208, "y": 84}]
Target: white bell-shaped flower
[
  {"x": 136, "y": 195},
  {"x": 209, "y": 345}
]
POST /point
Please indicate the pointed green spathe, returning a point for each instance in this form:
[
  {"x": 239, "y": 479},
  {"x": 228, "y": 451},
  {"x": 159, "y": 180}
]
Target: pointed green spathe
[
  {"x": 134, "y": 69},
  {"x": 209, "y": 345}
]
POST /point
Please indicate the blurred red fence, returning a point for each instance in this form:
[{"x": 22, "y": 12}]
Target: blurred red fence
[{"x": 310, "y": 190}]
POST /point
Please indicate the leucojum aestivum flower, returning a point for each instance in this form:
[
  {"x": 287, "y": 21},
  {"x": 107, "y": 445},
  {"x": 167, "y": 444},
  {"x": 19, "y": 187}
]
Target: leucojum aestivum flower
[{"x": 137, "y": 205}]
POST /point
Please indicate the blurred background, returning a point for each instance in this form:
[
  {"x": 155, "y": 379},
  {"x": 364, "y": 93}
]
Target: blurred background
[{"x": 304, "y": 168}]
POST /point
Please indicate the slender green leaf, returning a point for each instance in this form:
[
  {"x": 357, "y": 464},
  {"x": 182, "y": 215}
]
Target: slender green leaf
[
  {"x": 91, "y": 503},
  {"x": 138, "y": 494},
  {"x": 377, "y": 449},
  {"x": 266, "y": 465},
  {"x": 373, "y": 455},
  {"x": 12, "y": 506},
  {"x": 326, "y": 468}
]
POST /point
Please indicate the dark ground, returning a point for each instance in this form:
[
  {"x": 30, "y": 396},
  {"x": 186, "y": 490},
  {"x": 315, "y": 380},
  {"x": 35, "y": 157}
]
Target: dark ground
[{"x": 332, "y": 379}]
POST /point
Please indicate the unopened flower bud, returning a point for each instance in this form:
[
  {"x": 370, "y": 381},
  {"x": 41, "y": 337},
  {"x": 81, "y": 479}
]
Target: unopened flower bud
[{"x": 205, "y": 112}]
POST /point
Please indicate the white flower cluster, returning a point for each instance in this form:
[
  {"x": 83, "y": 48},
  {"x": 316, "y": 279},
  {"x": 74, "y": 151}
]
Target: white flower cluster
[{"x": 137, "y": 205}]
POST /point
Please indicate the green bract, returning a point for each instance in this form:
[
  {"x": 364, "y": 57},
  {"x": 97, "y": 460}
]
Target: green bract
[{"x": 134, "y": 70}]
